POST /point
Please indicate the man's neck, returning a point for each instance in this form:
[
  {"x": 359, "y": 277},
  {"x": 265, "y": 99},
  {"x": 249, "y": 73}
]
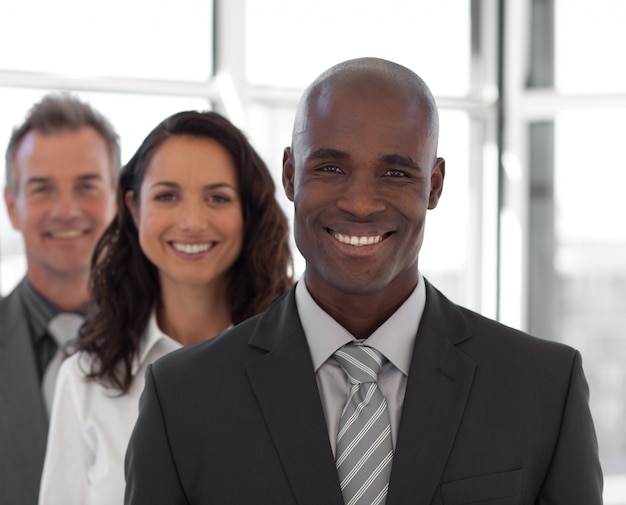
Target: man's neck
[
  {"x": 68, "y": 293},
  {"x": 361, "y": 314}
]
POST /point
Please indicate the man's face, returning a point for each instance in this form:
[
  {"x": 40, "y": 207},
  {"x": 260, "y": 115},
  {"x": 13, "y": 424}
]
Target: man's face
[
  {"x": 63, "y": 201},
  {"x": 361, "y": 175}
]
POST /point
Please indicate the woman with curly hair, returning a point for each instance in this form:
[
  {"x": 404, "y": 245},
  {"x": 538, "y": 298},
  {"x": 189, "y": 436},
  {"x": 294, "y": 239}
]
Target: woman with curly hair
[{"x": 198, "y": 244}]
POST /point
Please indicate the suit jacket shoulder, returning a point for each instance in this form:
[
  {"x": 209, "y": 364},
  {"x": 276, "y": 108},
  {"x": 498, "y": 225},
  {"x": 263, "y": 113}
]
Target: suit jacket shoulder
[
  {"x": 251, "y": 338},
  {"x": 236, "y": 419},
  {"x": 493, "y": 413},
  {"x": 24, "y": 422}
]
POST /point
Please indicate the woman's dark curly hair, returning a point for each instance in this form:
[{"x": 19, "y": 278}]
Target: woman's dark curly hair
[{"x": 124, "y": 283}]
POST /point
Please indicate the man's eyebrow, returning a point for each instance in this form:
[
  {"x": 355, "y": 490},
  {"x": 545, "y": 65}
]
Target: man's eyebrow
[
  {"x": 84, "y": 177},
  {"x": 391, "y": 159},
  {"x": 403, "y": 161},
  {"x": 89, "y": 176},
  {"x": 38, "y": 180},
  {"x": 327, "y": 154}
]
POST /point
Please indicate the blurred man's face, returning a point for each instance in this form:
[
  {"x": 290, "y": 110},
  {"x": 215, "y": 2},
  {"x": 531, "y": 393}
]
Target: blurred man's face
[{"x": 63, "y": 201}]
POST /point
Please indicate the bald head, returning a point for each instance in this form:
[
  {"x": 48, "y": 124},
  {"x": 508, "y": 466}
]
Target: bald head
[
  {"x": 368, "y": 79},
  {"x": 362, "y": 172}
]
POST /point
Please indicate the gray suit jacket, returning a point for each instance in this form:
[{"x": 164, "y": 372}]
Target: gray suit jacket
[
  {"x": 491, "y": 416},
  {"x": 23, "y": 418}
]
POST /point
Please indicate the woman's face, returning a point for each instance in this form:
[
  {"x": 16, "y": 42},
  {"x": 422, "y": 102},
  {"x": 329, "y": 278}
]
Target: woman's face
[{"x": 189, "y": 213}]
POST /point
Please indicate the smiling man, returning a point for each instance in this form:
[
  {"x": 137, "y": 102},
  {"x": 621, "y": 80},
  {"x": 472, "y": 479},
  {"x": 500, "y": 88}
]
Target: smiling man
[
  {"x": 364, "y": 385},
  {"x": 61, "y": 165}
]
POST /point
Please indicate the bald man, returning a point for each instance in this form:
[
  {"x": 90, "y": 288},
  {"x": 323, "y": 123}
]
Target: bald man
[{"x": 275, "y": 411}]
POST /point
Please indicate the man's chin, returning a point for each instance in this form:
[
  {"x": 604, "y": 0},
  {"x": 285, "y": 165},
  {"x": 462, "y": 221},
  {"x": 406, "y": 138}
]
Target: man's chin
[
  {"x": 67, "y": 266},
  {"x": 355, "y": 284}
]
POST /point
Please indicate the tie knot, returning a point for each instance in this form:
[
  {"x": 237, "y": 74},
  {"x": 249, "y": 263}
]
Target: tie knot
[
  {"x": 64, "y": 327},
  {"x": 361, "y": 363}
]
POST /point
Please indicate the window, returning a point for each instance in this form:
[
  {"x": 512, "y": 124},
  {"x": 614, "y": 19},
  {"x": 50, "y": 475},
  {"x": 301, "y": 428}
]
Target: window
[
  {"x": 563, "y": 207},
  {"x": 156, "y": 39}
]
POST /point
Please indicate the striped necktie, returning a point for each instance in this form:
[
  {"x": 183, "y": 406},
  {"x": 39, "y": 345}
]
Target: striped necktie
[
  {"x": 364, "y": 447},
  {"x": 62, "y": 328}
]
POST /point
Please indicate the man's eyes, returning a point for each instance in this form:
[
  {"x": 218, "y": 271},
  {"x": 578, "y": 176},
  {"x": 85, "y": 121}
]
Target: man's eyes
[
  {"x": 394, "y": 172},
  {"x": 78, "y": 189},
  {"x": 330, "y": 168},
  {"x": 87, "y": 186},
  {"x": 389, "y": 172},
  {"x": 39, "y": 189}
]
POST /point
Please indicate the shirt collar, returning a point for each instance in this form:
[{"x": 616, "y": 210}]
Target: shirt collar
[
  {"x": 152, "y": 337},
  {"x": 395, "y": 338},
  {"x": 39, "y": 309}
]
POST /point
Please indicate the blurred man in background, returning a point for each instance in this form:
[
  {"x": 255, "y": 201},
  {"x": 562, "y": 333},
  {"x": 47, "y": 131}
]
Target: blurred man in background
[{"x": 61, "y": 166}]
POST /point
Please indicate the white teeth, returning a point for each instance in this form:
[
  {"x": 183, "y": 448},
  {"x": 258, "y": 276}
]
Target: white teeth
[
  {"x": 357, "y": 241},
  {"x": 66, "y": 234},
  {"x": 191, "y": 248}
]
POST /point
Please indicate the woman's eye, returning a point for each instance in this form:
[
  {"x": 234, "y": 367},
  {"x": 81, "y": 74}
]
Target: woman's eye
[
  {"x": 219, "y": 199},
  {"x": 165, "y": 197}
]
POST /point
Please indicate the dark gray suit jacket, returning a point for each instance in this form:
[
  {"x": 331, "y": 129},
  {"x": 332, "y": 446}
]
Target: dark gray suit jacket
[
  {"x": 23, "y": 418},
  {"x": 491, "y": 416}
]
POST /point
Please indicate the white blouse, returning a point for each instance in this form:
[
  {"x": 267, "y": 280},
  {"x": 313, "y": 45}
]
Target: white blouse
[{"x": 90, "y": 427}]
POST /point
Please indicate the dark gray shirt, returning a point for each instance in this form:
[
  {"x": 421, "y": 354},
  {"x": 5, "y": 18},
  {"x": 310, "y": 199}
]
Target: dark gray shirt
[{"x": 39, "y": 312}]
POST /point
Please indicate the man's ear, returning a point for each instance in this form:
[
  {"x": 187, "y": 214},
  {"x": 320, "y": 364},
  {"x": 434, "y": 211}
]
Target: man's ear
[
  {"x": 129, "y": 200},
  {"x": 288, "y": 172},
  {"x": 437, "y": 176},
  {"x": 9, "y": 200}
]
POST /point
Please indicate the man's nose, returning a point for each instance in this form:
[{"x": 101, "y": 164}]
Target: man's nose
[
  {"x": 360, "y": 197},
  {"x": 66, "y": 205}
]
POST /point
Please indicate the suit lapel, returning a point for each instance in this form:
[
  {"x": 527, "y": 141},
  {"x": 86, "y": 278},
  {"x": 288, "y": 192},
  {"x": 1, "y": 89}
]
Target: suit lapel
[
  {"x": 284, "y": 383},
  {"x": 438, "y": 385}
]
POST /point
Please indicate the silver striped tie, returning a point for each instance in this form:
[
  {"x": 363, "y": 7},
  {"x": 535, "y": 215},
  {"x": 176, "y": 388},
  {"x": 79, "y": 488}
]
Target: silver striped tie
[
  {"x": 364, "y": 447},
  {"x": 62, "y": 328}
]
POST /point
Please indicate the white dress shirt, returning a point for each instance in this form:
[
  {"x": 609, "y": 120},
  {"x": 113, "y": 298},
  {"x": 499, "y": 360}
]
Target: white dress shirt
[
  {"x": 90, "y": 427},
  {"x": 395, "y": 339}
]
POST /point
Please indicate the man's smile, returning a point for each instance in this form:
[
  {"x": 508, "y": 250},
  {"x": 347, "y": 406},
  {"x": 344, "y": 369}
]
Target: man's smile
[
  {"x": 358, "y": 240},
  {"x": 67, "y": 234}
]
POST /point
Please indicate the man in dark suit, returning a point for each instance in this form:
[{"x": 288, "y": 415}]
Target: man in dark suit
[
  {"x": 477, "y": 412},
  {"x": 60, "y": 174}
]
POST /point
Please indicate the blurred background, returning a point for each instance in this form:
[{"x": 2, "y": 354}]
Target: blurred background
[{"x": 530, "y": 229}]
